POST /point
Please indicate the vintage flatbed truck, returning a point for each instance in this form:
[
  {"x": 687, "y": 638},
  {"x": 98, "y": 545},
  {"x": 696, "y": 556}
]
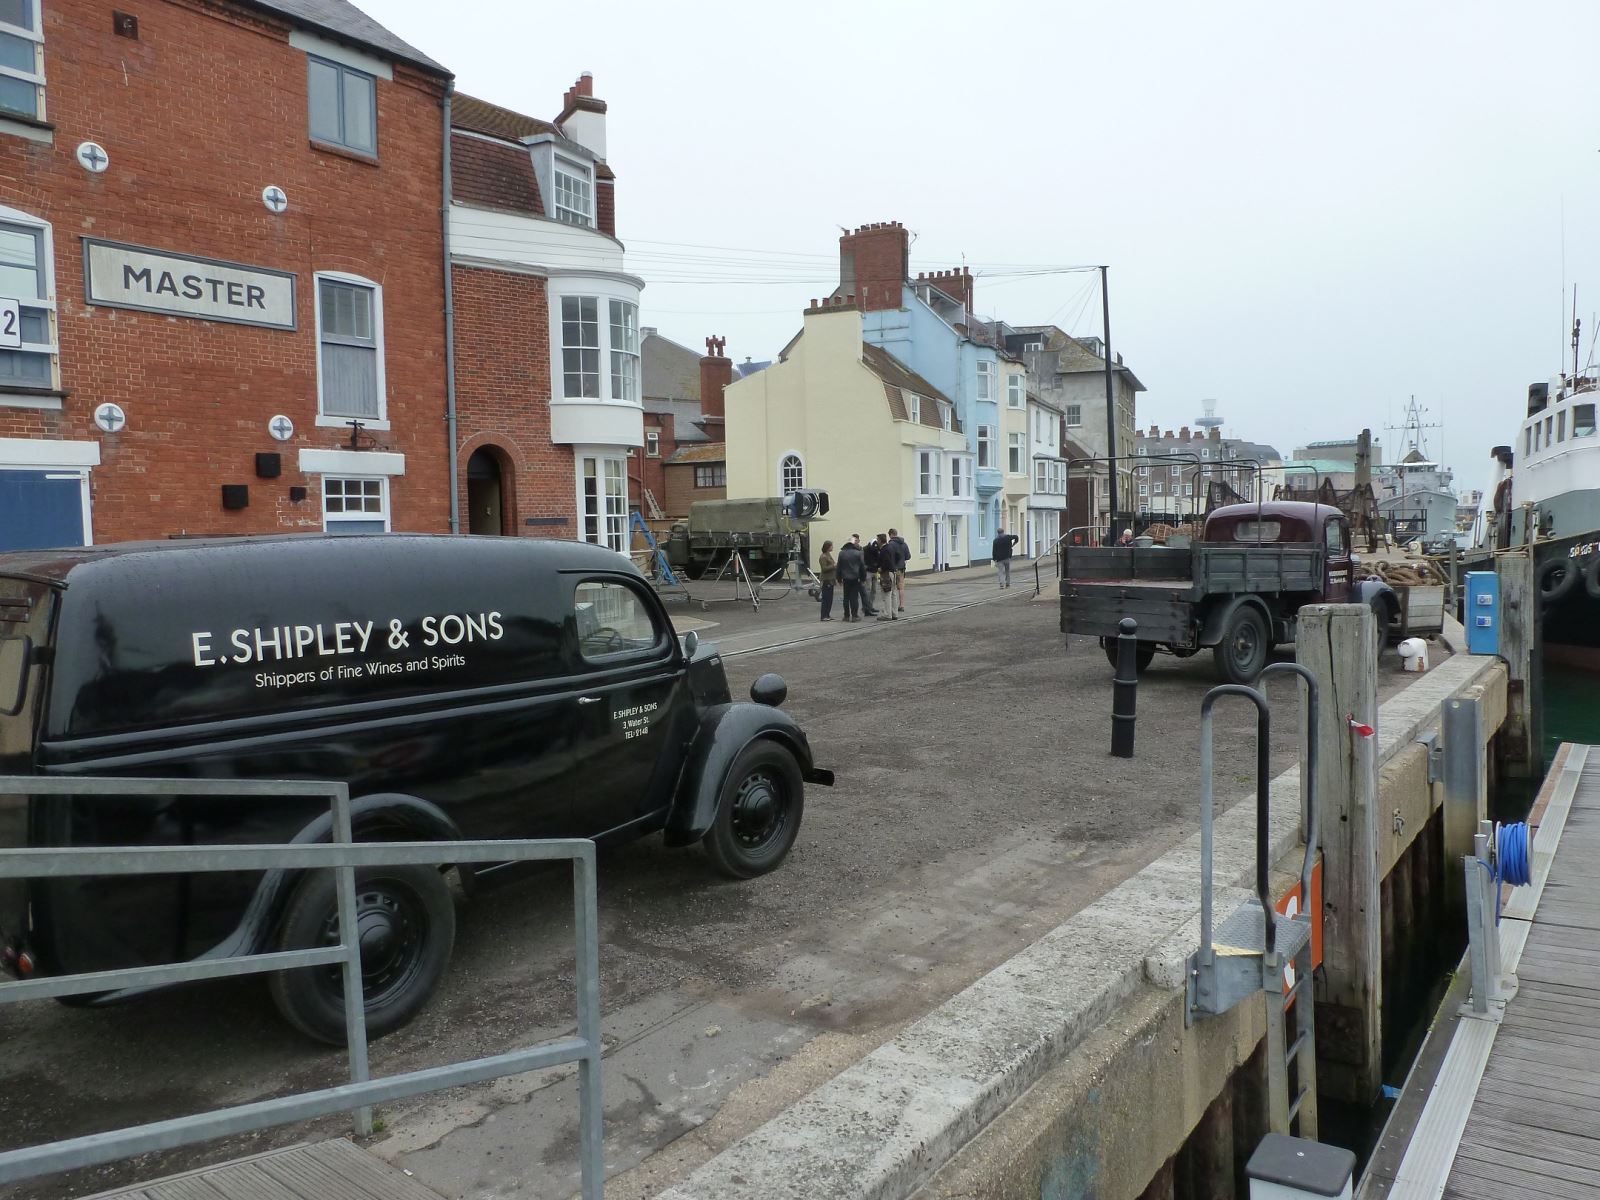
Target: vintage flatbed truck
[{"x": 1237, "y": 590}]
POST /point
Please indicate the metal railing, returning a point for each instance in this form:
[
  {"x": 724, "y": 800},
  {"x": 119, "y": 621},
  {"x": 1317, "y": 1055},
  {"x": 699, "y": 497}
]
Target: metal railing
[{"x": 343, "y": 856}]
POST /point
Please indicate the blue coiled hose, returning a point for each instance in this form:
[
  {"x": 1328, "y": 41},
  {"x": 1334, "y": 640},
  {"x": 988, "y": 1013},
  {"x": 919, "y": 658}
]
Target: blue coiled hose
[
  {"x": 1512, "y": 848},
  {"x": 1510, "y": 860}
]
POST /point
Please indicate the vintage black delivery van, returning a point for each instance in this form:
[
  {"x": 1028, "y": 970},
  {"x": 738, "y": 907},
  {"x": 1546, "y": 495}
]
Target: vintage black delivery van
[{"x": 462, "y": 687}]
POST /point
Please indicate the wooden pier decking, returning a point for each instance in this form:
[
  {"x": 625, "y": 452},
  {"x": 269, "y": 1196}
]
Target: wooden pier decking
[{"x": 1515, "y": 1109}]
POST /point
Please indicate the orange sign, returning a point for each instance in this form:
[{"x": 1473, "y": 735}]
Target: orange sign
[{"x": 1291, "y": 903}]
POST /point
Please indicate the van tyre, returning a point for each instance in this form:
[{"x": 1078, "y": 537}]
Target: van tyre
[
  {"x": 758, "y": 812},
  {"x": 1243, "y": 650},
  {"x": 406, "y": 922},
  {"x": 1557, "y": 577}
]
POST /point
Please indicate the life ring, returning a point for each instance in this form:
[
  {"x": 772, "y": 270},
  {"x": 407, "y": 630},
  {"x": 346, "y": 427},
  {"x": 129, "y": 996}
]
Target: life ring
[
  {"x": 1591, "y": 578},
  {"x": 1557, "y": 577}
]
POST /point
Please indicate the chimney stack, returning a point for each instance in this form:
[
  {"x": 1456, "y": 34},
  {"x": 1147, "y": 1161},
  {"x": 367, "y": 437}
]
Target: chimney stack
[
  {"x": 1183, "y": 434},
  {"x": 1216, "y": 433},
  {"x": 955, "y": 283},
  {"x": 716, "y": 373},
  {"x": 583, "y": 117},
  {"x": 874, "y": 262}
]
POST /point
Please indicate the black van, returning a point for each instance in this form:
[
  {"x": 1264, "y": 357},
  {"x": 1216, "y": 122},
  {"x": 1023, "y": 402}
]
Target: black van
[{"x": 462, "y": 687}]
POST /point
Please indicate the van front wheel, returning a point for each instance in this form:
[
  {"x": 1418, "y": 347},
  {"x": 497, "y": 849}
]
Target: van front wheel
[
  {"x": 758, "y": 813},
  {"x": 406, "y": 926}
]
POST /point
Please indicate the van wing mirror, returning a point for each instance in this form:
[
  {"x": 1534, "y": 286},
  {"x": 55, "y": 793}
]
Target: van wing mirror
[
  {"x": 15, "y": 655},
  {"x": 691, "y": 643}
]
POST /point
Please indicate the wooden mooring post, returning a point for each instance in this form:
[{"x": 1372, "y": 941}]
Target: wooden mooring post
[
  {"x": 1520, "y": 744},
  {"x": 1338, "y": 642}
]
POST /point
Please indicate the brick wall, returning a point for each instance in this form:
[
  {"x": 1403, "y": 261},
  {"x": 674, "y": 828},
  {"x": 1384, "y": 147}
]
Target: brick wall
[
  {"x": 206, "y": 109},
  {"x": 503, "y": 397},
  {"x": 647, "y": 471},
  {"x": 681, "y": 491}
]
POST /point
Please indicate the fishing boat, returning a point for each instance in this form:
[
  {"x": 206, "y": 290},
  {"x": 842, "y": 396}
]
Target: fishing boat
[{"x": 1547, "y": 495}]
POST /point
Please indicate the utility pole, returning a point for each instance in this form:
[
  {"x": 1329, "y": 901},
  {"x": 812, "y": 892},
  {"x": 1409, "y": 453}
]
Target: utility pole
[{"x": 1111, "y": 396}]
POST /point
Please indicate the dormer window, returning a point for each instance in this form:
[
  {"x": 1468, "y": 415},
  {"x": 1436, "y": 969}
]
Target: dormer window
[
  {"x": 914, "y": 410},
  {"x": 574, "y": 192}
]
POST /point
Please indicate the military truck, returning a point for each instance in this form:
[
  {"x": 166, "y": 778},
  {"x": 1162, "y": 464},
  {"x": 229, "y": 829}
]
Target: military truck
[
  {"x": 761, "y": 529},
  {"x": 1237, "y": 590}
]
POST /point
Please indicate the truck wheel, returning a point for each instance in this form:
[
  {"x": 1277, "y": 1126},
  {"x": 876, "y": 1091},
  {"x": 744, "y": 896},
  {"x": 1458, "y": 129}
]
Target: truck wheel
[
  {"x": 406, "y": 923},
  {"x": 1243, "y": 650},
  {"x": 758, "y": 813},
  {"x": 1141, "y": 659}
]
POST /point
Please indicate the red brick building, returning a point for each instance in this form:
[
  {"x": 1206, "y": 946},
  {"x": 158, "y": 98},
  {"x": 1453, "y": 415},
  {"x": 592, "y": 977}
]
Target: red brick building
[
  {"x": 548, "y": 378},
  {"x": 220, "y": 244}
]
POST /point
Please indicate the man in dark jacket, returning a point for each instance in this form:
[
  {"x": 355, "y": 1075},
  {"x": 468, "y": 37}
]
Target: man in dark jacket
[
  {"x": 1001, "y": 551},
  {"x": 888, "y": 564},
  {"x": 851, "y": 571},
  {"x": 870, "y": 554}
]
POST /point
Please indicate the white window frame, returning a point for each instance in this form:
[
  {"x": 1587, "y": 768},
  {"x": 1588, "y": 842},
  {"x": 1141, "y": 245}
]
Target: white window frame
[
  {"x": 36, "y": 76},
  {"x": 1032, "y": 346},
  {"x": 383, "y": 497},
  {"x": 946, "y": 418},
  {"x": 376, "y": 288},
  {"x": 929, "y": 471},
  {"x": 345, "y": 70},
  {"x": 1016, "y": 391},
  {"x": 1074, "y": 416},
  {"x": 13, "y": 216},
  {"x": 602, "y": 340},
  {"x": 1144, "y": 489},
  {"x": 924, "y": 525},
  {"x": 1160, "y": 488},
  {"x": 611, "y": 529},
  {"x": 985, "y": 379},
  {"x": 628, "y": 360},
  {"x": 914, "y": 409},
  {"x": 652, "y": 443},
  {"x": 960, "y": 476},
  {"x": 785, "y": 488},
  {"x": 1041, "y": 477},
  {"x": 581, "y": 173},
  {"x": 1016, "y": 453},
  {"x": 985, "y": 447}
]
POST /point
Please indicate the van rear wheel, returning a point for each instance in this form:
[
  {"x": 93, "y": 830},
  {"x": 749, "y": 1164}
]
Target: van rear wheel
[
  {"x": 1144, "y": 654},
  {"x": 406, "y": 926},
  {"x": 758, "y": 813}
]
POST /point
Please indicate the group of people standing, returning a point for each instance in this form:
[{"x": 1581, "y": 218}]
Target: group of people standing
[{"x": 873, "y": 576}]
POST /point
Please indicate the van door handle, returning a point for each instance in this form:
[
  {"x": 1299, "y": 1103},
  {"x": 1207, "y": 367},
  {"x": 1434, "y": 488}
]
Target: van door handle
[{"x": 590, "y": 699}]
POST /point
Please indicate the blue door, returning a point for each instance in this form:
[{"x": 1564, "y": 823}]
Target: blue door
[{"x": 40, "y": 510}]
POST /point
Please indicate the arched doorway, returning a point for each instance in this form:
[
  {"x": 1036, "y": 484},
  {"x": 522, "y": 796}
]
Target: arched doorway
[{"x": 486, "y": 493}]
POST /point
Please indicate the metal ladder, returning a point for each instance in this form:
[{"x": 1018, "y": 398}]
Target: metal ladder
[
  {"x": 1251, "y": 949},
  {"x": 663, "y": 573}
]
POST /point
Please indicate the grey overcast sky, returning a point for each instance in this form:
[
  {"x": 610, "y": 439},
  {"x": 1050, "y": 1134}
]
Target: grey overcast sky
[{"x": 1311, "y": 212}]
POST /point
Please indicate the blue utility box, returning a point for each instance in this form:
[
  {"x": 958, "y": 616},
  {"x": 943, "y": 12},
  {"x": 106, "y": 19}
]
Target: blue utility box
[{"x": 1482, "y": 615}]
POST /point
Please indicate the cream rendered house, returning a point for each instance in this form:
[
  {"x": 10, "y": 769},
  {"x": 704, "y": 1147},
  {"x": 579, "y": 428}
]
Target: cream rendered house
[
  {"x": 837, "y": 414},
  {"x": 1034, "y": 495}
]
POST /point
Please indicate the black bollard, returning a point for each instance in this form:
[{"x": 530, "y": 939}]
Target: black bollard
[{"x": 1125, "y": 689}]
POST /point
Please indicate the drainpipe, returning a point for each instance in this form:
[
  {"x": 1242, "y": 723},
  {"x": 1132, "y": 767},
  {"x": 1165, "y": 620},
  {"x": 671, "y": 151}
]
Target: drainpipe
[{"x": 450, "y": 329}]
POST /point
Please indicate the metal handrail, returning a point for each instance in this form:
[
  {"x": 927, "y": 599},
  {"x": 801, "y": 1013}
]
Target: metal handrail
[{"x": 342, "y": 856}]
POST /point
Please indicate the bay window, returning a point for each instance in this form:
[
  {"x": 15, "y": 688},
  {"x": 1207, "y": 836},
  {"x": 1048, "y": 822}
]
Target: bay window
[
  {"x": 625, "y": 351},
  {"x": 1014, "y": 451},
  {"x": 580, "y": 347},
  {"x": 985, "y": 451}
]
